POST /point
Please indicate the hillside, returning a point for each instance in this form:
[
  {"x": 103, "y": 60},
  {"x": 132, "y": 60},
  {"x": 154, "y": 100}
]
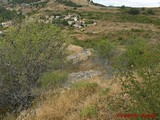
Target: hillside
[{"x": 77, "y": 60}]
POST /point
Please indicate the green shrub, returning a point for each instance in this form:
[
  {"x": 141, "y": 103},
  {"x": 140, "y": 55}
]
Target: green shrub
[
  {"x": 123, "y": 7},
  {"x": 143, "y": 95},
  {"x": 150, "y": 12},
  {"x": 138, "y": 54},
  {"x": 140, "y": 85},
  {"x": 105, "y": 49},
  {"x": 134, "y": 11},
  {"x": 27, "y": 52},
  {"x": 9, "y": 15},
  {"x": 142, "y": 9}
]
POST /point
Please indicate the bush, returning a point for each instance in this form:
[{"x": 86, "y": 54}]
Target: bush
[
  {"x": 105, "y": 49},
  {"x": 140, "y": 84},
  {"x": 139, "y": 95},
  {"x": 150, "y": 12},
  {"x": 134, "y": 11},
  {"x": 138, "y": 54},
  {"x": 123, "y": 7},
  {"x": 142, "y": 9},
  {"x": 26, "y": 53}
]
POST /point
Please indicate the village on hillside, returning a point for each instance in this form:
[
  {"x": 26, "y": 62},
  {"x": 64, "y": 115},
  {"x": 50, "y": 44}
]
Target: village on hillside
[{"x": 70, "y": 19}]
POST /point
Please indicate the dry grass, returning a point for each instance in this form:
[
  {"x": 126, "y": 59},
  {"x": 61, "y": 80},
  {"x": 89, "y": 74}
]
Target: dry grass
[
  {"x": 66, "y": 104},
  {"x": 84, "y": 101},
  {"x": 107, "y": 27}
]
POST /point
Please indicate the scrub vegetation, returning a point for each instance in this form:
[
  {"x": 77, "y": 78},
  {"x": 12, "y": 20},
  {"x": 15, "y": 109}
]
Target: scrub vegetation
[{"x": 35, "y": 71}]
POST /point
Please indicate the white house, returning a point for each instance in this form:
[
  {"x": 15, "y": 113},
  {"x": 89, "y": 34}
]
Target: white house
[
  {"x": 6, "y": 24},
  {"x": 1, "y": 32}
]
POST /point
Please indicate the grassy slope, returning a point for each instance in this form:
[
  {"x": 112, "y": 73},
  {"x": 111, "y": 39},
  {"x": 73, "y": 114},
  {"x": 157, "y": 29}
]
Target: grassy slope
[{"x": 89, "y": 100}]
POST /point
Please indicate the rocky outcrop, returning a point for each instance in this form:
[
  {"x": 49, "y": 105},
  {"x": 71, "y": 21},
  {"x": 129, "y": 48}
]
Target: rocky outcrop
[
  {"x": 82, "y": 75},
  {"x": 78, "y": 54},
  {"x": 79, "y": 57}
]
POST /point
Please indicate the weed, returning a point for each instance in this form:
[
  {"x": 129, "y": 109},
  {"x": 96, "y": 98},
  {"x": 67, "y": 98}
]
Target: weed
[
  {"x": 53, "y": 79},
  {"x": 89, "y": 111},
  {"x": 105, "y": 91}
]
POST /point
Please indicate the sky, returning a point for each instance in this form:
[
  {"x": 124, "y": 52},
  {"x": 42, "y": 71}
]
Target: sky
[{"x": 130, "y": 3}]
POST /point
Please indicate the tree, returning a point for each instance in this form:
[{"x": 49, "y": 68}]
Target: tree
[
  {"x": 123, "y": 7},
  {"x": 26, "y": 53}
]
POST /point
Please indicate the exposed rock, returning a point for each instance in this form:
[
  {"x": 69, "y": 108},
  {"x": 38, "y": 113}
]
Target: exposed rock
[
  {"x": 82, "y": 75},
  {"x": 78, "y": 54},
  {"x": 74, "y": 48},
  {"x": 78, "y": 57}
]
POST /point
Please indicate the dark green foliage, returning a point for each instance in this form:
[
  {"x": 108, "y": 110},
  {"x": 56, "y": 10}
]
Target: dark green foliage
[
  {"x": 23, "y": 1},
  {"x": 150, "y": 12},
  {"x": 134, "y": 11},
  {"x": 142, "y": 9},
  {"x": 8, "y": 15},
  {"x": 123, "y": 7}
]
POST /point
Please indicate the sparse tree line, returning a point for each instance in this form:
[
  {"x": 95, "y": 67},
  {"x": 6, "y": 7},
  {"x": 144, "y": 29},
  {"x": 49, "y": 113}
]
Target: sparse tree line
[{"x": 136, "y": 11}]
